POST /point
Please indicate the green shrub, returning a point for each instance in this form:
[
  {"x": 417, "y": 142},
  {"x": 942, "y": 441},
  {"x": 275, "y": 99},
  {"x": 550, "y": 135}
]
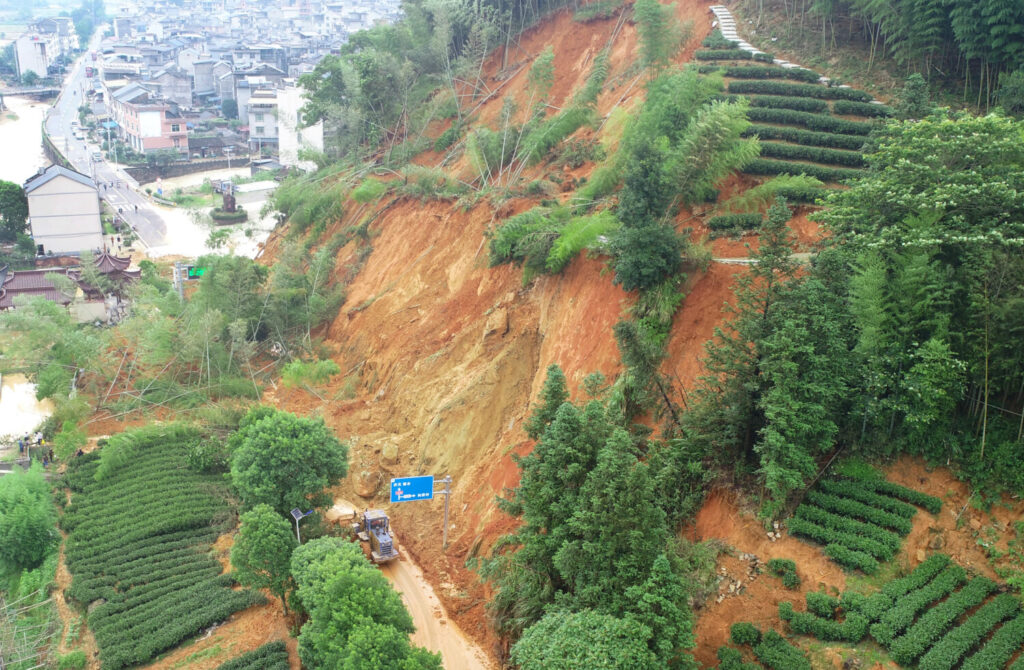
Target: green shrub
[
  {"x": 369, "y": 190},
  {"x": 1000, "y": 648},
  {"x": 771, "y": 72},
  {"x": 948, "y": 651},
  {"x": 852, "y": 629},
  {"x": 723, "y": 54},
  {"x": 579, "y": 233},
  {"x": 869, "y": 109},
  {"x": 449, "y": 137},
  {"x": 798, "y": 90},
  {"x": 904, "y": 609},
  {"x": 526, "y": 236},
  {"x": 936, "y": 621},
  {"x": 764, "y": 58},
  {"x": 822, "y": 535},
  {"x": 786, "y": 610},
  {"x": 74, "y": 660},
  {"x": 823, "y": 122},
  {"x": 799, "y": 188},
  {"x": 930, "y": 503},
  {"x": 855, "y": 491},
  {"x": 732, "y": 659},
  {"x": 428, "y": 183},
  {"x": 821, "y": 604},
  {"x": 788, "y": 102},
  {"x": 271, "y": 656},
  {"x": 850, "y": 558},
  {"x": 780, "y": 566},
  {"x": 539, "y": 142},
  {"x": 716, "y": 40},
  {"x": 921, "y": 575},
  {"x": 808, "y": 137},
  {"x": 743, "y": 633},
  {"x": 816, "y": 154},
  {"x": 597, "y": 10},
  {"x": 827, "y": 174},
  {"x": 850, "y": 526},
  {"x": 791, "y": 580},
  {"x": 735, "y": 222},
  {"x": 776, "y": 653},
  {"x": 851, "y": 601}
]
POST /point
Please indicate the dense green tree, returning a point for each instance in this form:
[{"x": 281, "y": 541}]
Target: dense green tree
[
  {"x": 229, "y": 108},
  {"x": 13, "y": 211},
  {"x": 659, "y": 34},
  {"x": 27, "y": 519},
  {"x": 914, "y": 101},
  {"x": 552, "y": 396},
  {"x": 1011, "y": 92},
  {"x": 646, "y": 255},
  {"x": 585, "y": 639},
  {"x": 287, "y": 462},
  {"x": 356, "y": 619},
  {"x": 262, "y": 551}
]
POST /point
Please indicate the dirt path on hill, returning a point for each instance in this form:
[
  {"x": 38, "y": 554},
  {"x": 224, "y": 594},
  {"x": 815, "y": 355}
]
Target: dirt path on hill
[{"x": 434, "y": 629}]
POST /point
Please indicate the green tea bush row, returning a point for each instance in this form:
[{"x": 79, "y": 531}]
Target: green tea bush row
[
  {"x": 936, "y": 621},
  {"x": 150, "y": 592},
  {"x": 859, "y": 510},
  {"x": 716, "y": 40},
  {"x": 903, "y": 611},
  {"x": 786, "y": 569},
  {"x": 730, "y": 658},
  {"x": 921, "y": 575},
  {"x": 1000, "y": 648},
  {"x": 771, "y": 72},
  {"x": 849, "y": 489},
  {"x": 798, "y": 90},
  {"x": 735, "y": 222},
  {"x": 271, "y": 656},
  {"x": 845, "y": 524},
  {"x": 168, "y": 630},
  {"x": 744, "y": 633},
  {"x": 181, "y": 538},
  {"x": 807, "y": 137},
  {"x": 816, "y": 154},
  {"x": 809, "y": 194},
  {"x": 852, "y": 629},
  {"x": 823, "y": 122},
  {"x": 775, "y": 652},
  {"x": 822, "y": 535},
  {"x": 723, "y": 54},
  {"x": 114, "y": 619},
  {"x": 868, "y": 109},
  {"x": 851, "y": 558},
  {"x": 948, "y": 651},
  {"x": 930, "y": 503},
  {"x": 821, "y": 604},
  {"x": 763, "y": 166},
  {"x": 788, "y": 102}
]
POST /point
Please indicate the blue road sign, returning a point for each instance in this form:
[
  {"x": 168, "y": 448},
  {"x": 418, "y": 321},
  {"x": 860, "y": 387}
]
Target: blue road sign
[{"x": 404, "y": 489}]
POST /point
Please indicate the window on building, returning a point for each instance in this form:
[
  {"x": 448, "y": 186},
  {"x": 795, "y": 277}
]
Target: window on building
[
  {"x": 175, "y": 127},
  {"x": 259, "y": 130},
  {"x": 259, "y": 116}
]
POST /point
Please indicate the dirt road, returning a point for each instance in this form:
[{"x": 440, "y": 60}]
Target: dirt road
[{"x": 434, "y": 630}]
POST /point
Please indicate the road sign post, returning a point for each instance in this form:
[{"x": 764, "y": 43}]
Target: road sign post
[{"x": 407, "y": 489}]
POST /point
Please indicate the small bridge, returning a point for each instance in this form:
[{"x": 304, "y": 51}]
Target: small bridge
[{"x": 31, "y": 91}]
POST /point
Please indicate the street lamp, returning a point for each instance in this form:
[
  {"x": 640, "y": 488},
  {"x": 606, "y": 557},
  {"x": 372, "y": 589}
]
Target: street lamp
[
  {"x": 298, "y": 515},
  {"x": 228, "y": 151}
]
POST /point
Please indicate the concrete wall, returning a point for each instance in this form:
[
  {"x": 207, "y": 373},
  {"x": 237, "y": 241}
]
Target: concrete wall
[{"x": 145, "y": 175}]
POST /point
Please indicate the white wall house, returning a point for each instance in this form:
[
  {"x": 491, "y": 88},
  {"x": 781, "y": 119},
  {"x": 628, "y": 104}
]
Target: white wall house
[
  {"x": 292, "y": 138},
  {"x": 34, "y": 52},
  {"x": 64, "y": 211}
]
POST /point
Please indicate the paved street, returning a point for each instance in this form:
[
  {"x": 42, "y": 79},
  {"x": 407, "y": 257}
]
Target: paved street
[{"x": 120, "y": 191}]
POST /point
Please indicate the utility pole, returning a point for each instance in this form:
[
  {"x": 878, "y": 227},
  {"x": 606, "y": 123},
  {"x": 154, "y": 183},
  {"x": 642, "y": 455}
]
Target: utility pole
[{"x": 447, "y": 490}]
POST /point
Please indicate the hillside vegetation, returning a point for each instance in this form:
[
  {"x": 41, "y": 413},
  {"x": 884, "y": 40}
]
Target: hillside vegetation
[{"x": 506, "y": 269}]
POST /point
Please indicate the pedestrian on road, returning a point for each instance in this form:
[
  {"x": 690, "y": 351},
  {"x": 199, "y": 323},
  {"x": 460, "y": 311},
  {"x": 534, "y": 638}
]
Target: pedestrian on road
[{"x": 136, "y": 208}]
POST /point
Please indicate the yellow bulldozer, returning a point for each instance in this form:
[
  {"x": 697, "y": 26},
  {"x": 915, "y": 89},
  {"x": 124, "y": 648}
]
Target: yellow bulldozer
[{"x": 373, "y": 527}]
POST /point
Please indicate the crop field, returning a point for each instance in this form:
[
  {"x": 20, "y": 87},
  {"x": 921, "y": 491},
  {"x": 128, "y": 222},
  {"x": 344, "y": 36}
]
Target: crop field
[
  {"x": 807, "y": 126},
  {"x": 271, "y": 656},
  {"x": 860, "y": 523},
  {"x": 139, "y": 541},
  {"x": 935, "y": 618}
]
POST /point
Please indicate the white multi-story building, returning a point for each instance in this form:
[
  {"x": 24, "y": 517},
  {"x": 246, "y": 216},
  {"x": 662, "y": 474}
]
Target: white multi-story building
[
  {"x": 292, "y": 138},
  {"x": 64, "y": 211},
  {"x": 35, "y": 52}
]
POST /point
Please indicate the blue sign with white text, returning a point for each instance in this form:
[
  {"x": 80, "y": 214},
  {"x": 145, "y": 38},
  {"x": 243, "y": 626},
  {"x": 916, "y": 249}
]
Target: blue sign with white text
[{"x": 405, "y": 489}]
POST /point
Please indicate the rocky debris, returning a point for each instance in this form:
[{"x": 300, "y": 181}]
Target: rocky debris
[
  {"x": 389, "y": 454},
  {"x": 365, "y": 482},
  {"x": 497, "y": 322},
  {"x": 729, "y": 585},
  {"x": 976, "y": 523}
]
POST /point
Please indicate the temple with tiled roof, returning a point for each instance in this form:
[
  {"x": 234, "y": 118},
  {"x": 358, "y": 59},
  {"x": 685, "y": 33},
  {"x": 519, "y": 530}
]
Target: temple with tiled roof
[{"x": 34, "y": 282}]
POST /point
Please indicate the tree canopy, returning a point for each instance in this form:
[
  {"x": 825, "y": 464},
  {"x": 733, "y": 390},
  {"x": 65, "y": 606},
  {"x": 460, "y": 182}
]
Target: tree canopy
[
  {"x": 262, "y": 552},
  {"x": 285, "y": 461},
  {"x": 13, "y": 211},
  {"x": 27, "y": 519}
]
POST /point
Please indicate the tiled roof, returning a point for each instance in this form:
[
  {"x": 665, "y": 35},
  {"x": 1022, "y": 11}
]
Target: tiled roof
[{"x": 53, "y": 172}]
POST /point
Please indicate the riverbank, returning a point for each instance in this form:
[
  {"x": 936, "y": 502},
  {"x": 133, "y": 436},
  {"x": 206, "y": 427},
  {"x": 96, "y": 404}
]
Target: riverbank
[{"x": 22, "y": 138}]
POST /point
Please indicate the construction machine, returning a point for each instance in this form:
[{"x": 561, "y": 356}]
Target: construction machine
[{"x": 373, "y": 528}]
